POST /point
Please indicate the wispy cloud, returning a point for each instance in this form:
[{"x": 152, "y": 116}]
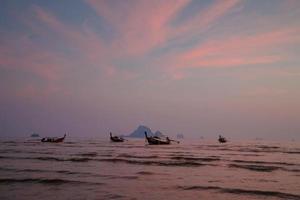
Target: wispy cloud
[
  {"x": 82, "y": 39},
  {"x": 205, "y": 18},
  {"x": 22, "y": 54},
  {"x": 144, "y": 26},
  {"x": 141, "y": 25},
  {"x": 235, "y": 51}
]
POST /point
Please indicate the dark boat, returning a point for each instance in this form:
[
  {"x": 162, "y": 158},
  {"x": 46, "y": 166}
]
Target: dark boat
[
  {"x": 222, "y": 139},
  {"x": 154, "y": 140},
  {"x": 53, "y": 139},
  {"x": 116, "y": 138}
]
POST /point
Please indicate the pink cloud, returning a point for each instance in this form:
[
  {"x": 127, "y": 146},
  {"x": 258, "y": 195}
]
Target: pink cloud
[
  {"x": 244, "y": 44},
  {"x": 82, "y": 39},
  {"x": 232, "y": 52},
  {"x": 91, "y": 51},
  {"x": 232, "y": 61},
  {"x": 51, "y": 65},
  {"x": 204, "y": 19},
  {"x": 22, "y": 54},
  {"x": 142, "y": 25},
  {"x": 240, "y": 50}
]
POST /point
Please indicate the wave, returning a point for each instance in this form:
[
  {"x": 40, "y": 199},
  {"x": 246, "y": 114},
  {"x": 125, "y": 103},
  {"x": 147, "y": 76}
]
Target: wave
[
  {"x": 145, "y": 173},
  {"x": 267, "y": 147},
  {"x": 10, "y": 151},
  {"x": 9, "y": 142},
  {"x": 45, "y": 171},
  {"x": 206, "y": 159},
  {"x": 44, "y": 181},
  {"x": 73, "y": 159},
  {"x": 238, "y": 154},
  {"x": 243, "y": 191},
  {"x": 245, "y": 149},
  {"x": 78, "y": 159},
  {"x": 292, "y": 170},
  {"x": 178, "y": 162},
  {"x": 46, "y": 158},
  {"x": 136, "y": 156},
  {"x": 70, "y": 142},
  {"x": 263, "y": 168},
  {"x": 259, "y": 150},
  {"x": 5, "y": 157},
  {"x": 114, "y": 196},
  {"x": 152, "y": 162},
  {"x": 66, "y": 172},
  {"x": 260, "y": 168},
  {"x": 20, "y": 170},
  {"x": 264, "y": 162},
  {"x": 122, "y": 177},
  {"x": 291, "y": 152},
  {"x": 89, "y": 154}
]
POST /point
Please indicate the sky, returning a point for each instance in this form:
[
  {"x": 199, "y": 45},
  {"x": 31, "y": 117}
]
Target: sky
[{"x": 200, "y": 68}]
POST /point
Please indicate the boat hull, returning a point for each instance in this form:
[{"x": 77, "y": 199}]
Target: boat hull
[
  {"x": 222, "y": 140},
  {"x": 53, "y": 140},
  {"x": 116, "y": 138},
  {"x": 113, "y": 139},
  {"x": 152, "y": 141},
  {"x": 156, "y": 141}
]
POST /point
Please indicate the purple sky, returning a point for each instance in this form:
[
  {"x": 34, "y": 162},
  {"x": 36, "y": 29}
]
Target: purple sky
[{"x": 200, "y": 68}]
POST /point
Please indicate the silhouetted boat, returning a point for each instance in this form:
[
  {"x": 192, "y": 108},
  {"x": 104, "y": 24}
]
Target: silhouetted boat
[
  {"x": 222, "y": 139},
  {"x": 53, "y": 139},
  {"x": 157, "y": 140},
  {"x": 116, "y": 138}
]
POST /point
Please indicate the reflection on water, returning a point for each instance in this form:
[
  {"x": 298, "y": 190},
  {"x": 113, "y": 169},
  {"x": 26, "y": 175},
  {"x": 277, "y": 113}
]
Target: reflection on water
[{"x": 99, "y": 169}]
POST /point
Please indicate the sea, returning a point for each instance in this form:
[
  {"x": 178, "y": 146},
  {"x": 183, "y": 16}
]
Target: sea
[{"x": 192, "y": 169}]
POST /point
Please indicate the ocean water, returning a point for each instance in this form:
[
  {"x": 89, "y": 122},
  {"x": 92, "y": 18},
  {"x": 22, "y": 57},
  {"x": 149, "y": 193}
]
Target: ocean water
[{"x": 100, "y": 169}]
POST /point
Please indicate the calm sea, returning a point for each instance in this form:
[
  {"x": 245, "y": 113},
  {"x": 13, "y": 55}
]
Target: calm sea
[{"x": 99, "y": 169}]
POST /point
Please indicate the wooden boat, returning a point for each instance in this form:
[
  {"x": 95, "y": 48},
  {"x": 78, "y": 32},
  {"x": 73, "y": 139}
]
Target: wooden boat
[
  {"x": 116, "y": 138},
  {"x": 53, "y": 139},
  {"x": 222, "y": 139},
  {"x": 154, "y": 140}
]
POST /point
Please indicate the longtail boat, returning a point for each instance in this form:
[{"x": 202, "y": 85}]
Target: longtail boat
[
  {"x": 154, "y": 140},
  {"x": 116, "y": 138},
  {"x": 222, "y": 139},
  {"x": 53, "y": 139}
]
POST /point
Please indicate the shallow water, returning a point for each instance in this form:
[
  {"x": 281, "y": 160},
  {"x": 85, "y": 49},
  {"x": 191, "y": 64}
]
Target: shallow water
[{"x": 99, "y": 169}]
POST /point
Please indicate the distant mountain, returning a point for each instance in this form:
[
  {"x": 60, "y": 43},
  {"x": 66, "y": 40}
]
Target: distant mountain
[
  {"x": 140, "y": 132},
  {"x": 180, "y": 136},
  {"x": 34, "y": 135},
  {"x": 158, "y": 134}
]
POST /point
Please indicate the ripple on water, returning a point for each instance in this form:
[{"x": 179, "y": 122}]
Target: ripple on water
[
  {"x": 243, "y": 191},
  {"x": 46, "y": 181},
  {"x": 260, "y": 168}
]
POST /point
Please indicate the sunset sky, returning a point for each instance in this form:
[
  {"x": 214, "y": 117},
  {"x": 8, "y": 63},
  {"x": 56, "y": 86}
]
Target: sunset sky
[{"x": 200, "y": 68}]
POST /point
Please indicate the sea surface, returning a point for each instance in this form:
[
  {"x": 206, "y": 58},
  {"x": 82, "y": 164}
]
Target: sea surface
[{"x": 197, "y": 169}]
